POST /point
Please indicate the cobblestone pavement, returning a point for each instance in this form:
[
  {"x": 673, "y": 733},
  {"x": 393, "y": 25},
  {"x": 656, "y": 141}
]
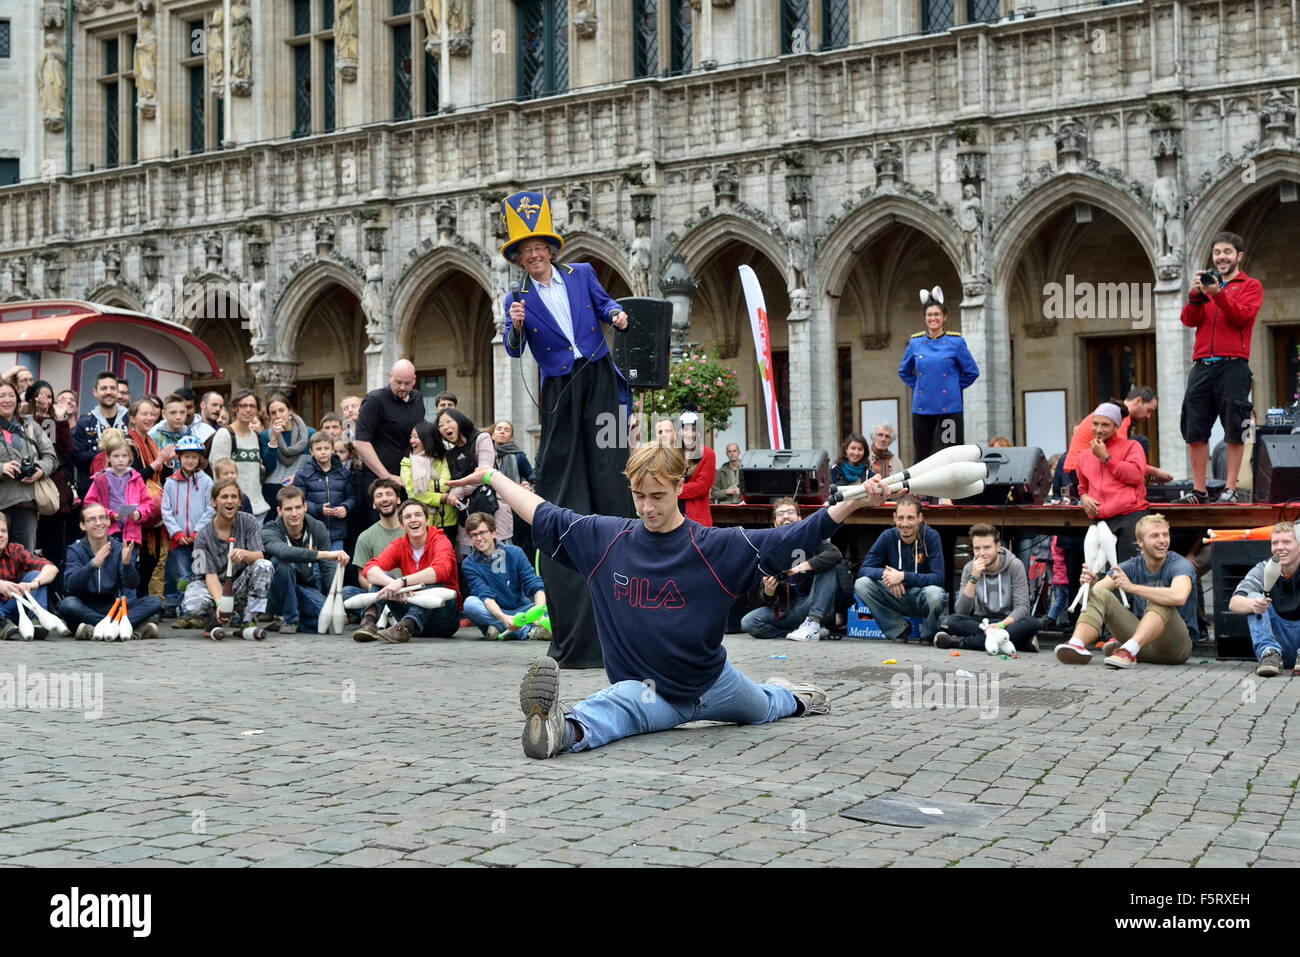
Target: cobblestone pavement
[{"x": 375, "y": 755}]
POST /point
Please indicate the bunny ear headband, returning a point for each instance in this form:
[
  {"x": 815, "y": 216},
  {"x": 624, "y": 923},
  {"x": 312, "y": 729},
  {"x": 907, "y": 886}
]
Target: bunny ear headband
[{"x": 932, "y": 297}]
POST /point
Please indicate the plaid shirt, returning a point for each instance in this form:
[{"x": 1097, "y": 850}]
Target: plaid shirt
[{"x": 16, "y": 561}]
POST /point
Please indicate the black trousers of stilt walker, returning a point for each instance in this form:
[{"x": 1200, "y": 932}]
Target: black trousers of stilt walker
[{"x": 580, "y": 467}]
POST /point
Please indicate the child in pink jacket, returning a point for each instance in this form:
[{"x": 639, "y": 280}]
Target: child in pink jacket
[
  {"x": 121, "y": 489},
  {"x": 1060, "y": 582}
]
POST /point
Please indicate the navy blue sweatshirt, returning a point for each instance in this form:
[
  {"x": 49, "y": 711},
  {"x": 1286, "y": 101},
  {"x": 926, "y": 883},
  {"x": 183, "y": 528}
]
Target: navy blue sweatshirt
[
  {"x": 921, "y": 562},
  {"x": 93, "y": 585},
  {"x": 661, "y": 600}
]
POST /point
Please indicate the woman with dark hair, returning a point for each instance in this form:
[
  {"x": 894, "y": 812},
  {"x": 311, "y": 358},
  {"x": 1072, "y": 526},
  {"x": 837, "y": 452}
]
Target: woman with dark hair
[
  {"x": 284, "y": 445},
  {"x": 52, "y": 418},
  {"x": 469, "y": 453},
  {"x": 21, "y": 451},
  {"x": 851, "y": 469},
  {"x": 938, "y": 367},
  {"x": 154, "y": 465},
  {"x": 238, "y": 441},
  {"x": 427, "y": 476}
]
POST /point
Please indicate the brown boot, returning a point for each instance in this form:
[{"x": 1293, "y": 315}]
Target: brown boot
[
  {"x": 368, "y": 630},
  {"x": 398, "y": 634}
]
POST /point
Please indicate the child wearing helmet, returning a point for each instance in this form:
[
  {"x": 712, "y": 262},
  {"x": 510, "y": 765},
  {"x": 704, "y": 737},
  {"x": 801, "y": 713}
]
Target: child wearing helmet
[{"x": 186, "y": 508}]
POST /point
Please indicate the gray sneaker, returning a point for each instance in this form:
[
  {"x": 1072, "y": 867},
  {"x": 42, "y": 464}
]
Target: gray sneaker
[
  {"x": 493, "y": 633},
  {"x": 545, "y": 730},
  {"x": 813, "y": 700},
  {"x": 287, "y": 627},
  {"x": 1270, "y": 664}
]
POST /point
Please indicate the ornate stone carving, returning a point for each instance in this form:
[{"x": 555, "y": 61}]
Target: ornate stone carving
[
  {"x": 800, "y": 305},
  {"x": 1168, "y": 271},
  {"x": 1278, "y": 117},
  {"x": 799, "y": 246},
  {"x": 151, "y": 264},
  {"x": 726, "y": 186},
  {"x": 18, "y": 277},
  {"x": 52, "y": 77},
  {"x": 145, "y": 63},
  {"x": 1041, "y": 328},
  {"x": 372, "y": 304},
  {"x": 214, "y": 45},
  {"x": 445, "y": 217},
  {"x": 345, "y": 38},
  {"x": 1166, "y": 141},
  {"x": 584, "y": 20},
  {"x": 579, "y": 206},
  {"x": 1071, "y": 144},
  {"x": 241, "y": 48},
  {"x": 974, "y": 288},
  {"x": 460, "y": 27},
  {"x": 213, "y": 251},
  {"x": 889, "y": 167},
  {"x": 274, "y": 375},
  {"x": 53, "y": 278},
  {"x": 643, "y": 207},
  {"x": 52, "y": 16},
  {"x": 373, "y": 240},
  {"x": 972, "y": 166},
  {"x": 325, "y": 231},
  {"x": 257, "y": 253},
  {"x": 876, "y": 341},
  {"x": 1167, "y": 211},
  {"x": 112, "y": 263},
  {"x": 254, "y": 307},
  {"x": 641, "y": 260},
  {"x": 970, "y": 220},
  {"x": 797, "y": 187}
]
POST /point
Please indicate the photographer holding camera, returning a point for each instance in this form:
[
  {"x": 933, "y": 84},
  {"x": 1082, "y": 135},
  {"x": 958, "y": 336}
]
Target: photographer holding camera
[
  {"x": 1221, "y": 307},
  {"x": 26, "y": 457}
]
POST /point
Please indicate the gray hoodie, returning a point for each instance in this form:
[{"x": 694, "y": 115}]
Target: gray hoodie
[{"x": 1005, "y": 593}]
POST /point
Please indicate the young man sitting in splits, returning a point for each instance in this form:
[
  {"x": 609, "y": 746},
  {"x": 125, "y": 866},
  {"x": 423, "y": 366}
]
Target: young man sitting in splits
[{"x": 661, "y": 587}]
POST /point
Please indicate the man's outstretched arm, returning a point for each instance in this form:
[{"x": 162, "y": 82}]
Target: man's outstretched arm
[
  {"x": 875, "y": 496},
  {"x": 521, "y": 501}
]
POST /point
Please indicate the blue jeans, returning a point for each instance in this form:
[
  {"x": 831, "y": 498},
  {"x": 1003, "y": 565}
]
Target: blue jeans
[
  {"x": 9, "y": 608},
  {"x": 177, "y": 567},
  {"x": 631, "y": 707},
  {"x": 76, "y": 611},
  {"x": 929, "y": 603},
  {"x": 1274, "y": 632},
  {"x": 292, "y": 600},
  {"x": 762, "y": 623},
  {"x": 1060, "y": 598},
  {"x": 477, "y": 612}
]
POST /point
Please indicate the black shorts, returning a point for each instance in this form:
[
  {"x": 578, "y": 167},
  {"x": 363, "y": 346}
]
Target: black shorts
[{"x": 1217, "y": 390}]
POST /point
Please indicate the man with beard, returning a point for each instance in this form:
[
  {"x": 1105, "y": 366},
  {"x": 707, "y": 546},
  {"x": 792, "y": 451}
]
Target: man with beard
[
  {"x": 108, "y": 414},
  {"x": 385, "y": 496}
]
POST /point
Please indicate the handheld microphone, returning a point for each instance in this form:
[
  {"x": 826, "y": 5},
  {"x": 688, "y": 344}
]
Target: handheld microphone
[{"x": 514, "y": 291}]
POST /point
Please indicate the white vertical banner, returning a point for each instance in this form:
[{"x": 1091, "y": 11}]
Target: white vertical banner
[{"x": 763, "y": 350}]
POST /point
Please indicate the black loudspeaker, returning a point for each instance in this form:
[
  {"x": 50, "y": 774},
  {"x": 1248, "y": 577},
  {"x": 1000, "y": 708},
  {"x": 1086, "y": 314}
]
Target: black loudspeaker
[
  {"x": 1019, "y": 472},
  {"x": 1277, "y": 468},
  {"x": 641, "y": 351},
  {"x": 766, "y": 475},
  {"x": 1229, "y": 565}
]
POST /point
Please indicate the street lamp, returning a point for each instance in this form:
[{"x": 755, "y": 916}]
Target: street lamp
[{"x": 678, "y": 287}]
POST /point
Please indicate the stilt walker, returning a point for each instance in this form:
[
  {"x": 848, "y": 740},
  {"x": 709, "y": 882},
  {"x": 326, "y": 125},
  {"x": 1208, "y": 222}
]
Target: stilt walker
[{"x": 558, "y": 310}]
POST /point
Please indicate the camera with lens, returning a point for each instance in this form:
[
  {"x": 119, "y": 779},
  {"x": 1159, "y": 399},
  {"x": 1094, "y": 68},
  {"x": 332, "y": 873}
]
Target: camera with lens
[
  {"x": 26, "y": 468},
  {"x": 1211, "y": 277}
]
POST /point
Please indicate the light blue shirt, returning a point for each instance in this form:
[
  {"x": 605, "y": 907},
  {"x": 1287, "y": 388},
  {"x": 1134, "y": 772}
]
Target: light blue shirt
[{"x": 556, "y": 298}]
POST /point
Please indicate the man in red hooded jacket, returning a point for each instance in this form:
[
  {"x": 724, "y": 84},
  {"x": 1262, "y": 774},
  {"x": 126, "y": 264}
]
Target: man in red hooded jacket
[
  {"x": 1223, "y": 315},
  {"x": 1112, "y": 479}
]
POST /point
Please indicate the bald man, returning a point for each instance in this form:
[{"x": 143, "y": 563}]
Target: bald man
[{"x": 383, "y": 437}]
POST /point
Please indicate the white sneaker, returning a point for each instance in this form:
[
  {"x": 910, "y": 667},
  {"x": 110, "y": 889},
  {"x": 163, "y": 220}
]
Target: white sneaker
[
  {"x": 808, "y": 631},
  {"x": 813, "y": 699}
]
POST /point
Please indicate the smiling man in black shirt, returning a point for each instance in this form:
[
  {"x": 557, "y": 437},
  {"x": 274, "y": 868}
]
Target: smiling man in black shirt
[{"x": 383, "y": 437}]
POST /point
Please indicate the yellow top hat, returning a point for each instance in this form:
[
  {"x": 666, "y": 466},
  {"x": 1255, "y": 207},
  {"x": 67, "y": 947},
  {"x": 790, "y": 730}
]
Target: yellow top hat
[{"x": 527, "y": 215}]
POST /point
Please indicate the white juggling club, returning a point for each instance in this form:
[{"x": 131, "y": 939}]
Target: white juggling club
[{"x": 946, "y": 456}]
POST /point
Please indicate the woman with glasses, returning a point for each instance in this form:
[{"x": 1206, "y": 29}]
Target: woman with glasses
[{"x": 238, "y": 441}]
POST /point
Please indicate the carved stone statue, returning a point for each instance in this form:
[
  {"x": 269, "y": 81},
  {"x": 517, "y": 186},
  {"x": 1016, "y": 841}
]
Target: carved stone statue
[
  {"x": 345, "y": 38},
  {"x": 53, "y": 79},
  {"x": 212, "y": 251},
  {"x": 112, "y": 263},
  {"x": 214, "y": 43},
  {"x": 641, "y": 261},
  {"x": 241, "y": 48},
  {"x": 432, "y": 26},
  {"x": 460, "y": 25},
  {"x": 584, "y": 19},
  {"x": 324, "y": 237},
  {"x": 145, "y": 66},
  {"x": 372, "y": 303},
  {"x": 970, "y": 219},
  {"x": 1166, "y": 209},
  {"x": 798, "y": 253},
  {"x": 800, "y": 305},
  {"x": 255, "y": 307}
]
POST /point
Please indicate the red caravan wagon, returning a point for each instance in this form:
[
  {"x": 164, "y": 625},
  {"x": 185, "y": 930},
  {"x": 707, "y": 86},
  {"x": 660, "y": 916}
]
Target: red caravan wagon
[{"x": 68, "y": 342}]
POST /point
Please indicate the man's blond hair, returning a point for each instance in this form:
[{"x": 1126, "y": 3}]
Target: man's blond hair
[
  {"x": 1283, "y": 527},
  {"x": 1146, "y": 521},
  {"x": 665, "y": 463}
]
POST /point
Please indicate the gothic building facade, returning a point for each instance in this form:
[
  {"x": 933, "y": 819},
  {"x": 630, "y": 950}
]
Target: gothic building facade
[{"x": 332, "y": 169}]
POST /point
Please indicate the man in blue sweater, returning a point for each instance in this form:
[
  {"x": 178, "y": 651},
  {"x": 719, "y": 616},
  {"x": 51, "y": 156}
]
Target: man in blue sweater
[
  {"x": 661, "y": 588},
  {"x": 903, "y": 575},
  {"x": 497, "y": 583},
  {"x": 97, "y": 571}
]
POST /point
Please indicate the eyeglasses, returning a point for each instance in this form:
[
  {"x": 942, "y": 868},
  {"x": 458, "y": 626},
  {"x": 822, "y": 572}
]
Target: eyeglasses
[
  {"x": 97, "y": 520},
  {"x": 787, "y": 513}
]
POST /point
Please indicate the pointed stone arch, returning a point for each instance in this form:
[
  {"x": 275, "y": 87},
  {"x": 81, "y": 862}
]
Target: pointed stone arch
[
  {"x": 838, "y": 252},
  {"x": 423, "y": 277},
  {"x": 600, "y": 250},
  {"x": 1212, "y": 209},
  {"x": 293, "y": 308},
  {"x": 703, "y": 242},
  {"x": 111, "y": 294}
]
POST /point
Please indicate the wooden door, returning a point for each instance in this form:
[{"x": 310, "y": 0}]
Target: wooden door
[{"x": 1115, "y": 365}]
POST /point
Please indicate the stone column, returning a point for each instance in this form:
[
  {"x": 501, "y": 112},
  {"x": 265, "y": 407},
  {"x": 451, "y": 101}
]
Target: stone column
[
  {"x": 382, "y": 349},
  {"x": 989, "y": 341},
  {"x": 1173, "y": 360}
]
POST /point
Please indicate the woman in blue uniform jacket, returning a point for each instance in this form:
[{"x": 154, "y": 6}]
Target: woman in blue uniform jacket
[{"x": 937, "y": 366}]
